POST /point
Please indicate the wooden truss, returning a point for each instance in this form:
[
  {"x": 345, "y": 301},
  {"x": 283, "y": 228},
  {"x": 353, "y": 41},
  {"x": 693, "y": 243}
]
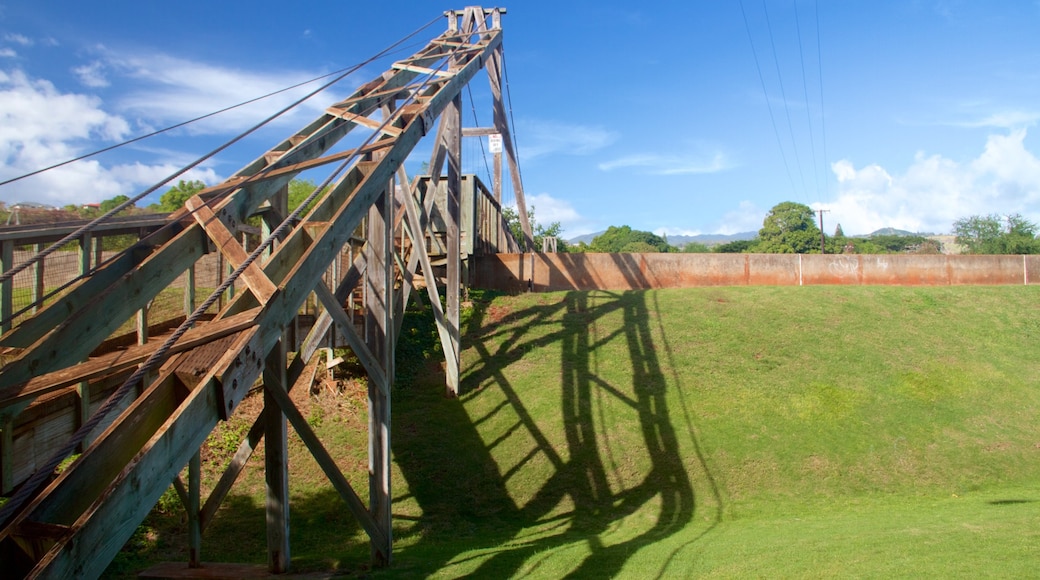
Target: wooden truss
[{"x": 73, "y": 524}]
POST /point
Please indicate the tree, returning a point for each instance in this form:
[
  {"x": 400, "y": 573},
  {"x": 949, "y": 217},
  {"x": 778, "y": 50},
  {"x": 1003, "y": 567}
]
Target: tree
[
  {"x": 624, "y": 239},
  {"x": 993, "y": 234},
  {"x": 695, "y": 248},
  {"x": 736, "y": 247},
  {"x": 789, "y": 228},
  {"x": 838, "y": 232},
  {"x": 175, "y": 197},
  {"x": 553, "y": 230},
  {"x": 112, "y": 203}
]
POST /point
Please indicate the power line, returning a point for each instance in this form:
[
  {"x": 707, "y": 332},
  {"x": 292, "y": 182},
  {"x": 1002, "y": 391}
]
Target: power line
[
  {"x": 353, "y": 68},
  {"x": 783, "y": 95},
  {"x": 29, "y": 488},
  {"x": 805, "y": 91},
  {"x": 823, "y": 116},
  {"x": 91, "y": 225},
  {"x": 513, "y": 131},
  {"x": 765, "y": 93}
]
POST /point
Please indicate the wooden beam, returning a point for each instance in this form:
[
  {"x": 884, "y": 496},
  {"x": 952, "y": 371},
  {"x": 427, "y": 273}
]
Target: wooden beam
[
  {"x": 364, "y": 121},
  {"x": 276, "y": 463},
  {"x": 122, "y": 361},
  {"x": 346, "y": 329},
  {"x": 453, "y": 145},
  {"x": 326, "y": 462},
  {"x": 81, "y": 332},
  {"x": 254, "y": 277},
  {"x": 194, "y": 509}
]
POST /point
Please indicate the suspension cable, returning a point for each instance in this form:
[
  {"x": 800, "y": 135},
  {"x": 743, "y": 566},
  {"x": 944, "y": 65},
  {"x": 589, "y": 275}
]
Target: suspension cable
[
  {"x": 90, "y": 226},
  {"x": 28, "y": 489}
]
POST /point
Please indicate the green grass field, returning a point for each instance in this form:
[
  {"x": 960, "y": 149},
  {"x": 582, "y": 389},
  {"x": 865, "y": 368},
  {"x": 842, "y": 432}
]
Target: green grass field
[{"x": 719, "y": 432}]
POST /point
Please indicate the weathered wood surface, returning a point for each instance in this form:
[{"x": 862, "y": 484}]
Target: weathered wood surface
[{"x": 100, "y": 498}]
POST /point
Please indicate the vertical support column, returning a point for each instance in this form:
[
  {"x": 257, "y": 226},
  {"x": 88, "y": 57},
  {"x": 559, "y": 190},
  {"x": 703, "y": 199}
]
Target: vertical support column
[
  {"x": 495, "y": 67},
  {"x": 85, "y": 251},
  {"x": 99, "y": 253},
  {"x": 38, "y": 286},
  {"x": 7, "y": 286},
  {"x": 220, "y": 279},
  {"x": 7, "y": 456},
  {"x": 378, "y": 335},
  {"x": 276, "y": 458},
  {"x": 452, "y": 116},
  {"x": 189, "y": 290},
  {"x": 83, "y": 410},
  {"x": 194, "y": 508}
]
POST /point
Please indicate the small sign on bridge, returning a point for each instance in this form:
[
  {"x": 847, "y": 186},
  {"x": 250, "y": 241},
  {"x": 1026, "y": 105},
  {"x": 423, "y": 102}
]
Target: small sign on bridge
[{"x": 495, "y": 142}]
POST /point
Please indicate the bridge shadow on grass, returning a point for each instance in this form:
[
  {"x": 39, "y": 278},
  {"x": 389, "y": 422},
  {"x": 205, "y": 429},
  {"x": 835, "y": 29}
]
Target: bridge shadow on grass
[{"x": 568, "y": 474}]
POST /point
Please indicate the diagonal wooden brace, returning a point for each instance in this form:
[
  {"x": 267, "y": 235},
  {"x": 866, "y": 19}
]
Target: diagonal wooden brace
[{"x": 255, "y": 278}]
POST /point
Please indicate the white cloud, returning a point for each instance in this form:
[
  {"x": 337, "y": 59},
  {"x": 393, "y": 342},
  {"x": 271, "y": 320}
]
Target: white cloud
[
  {"x": 935, "y": 191},
  {"x": 746, "y": 218},
  {"x": 541, "y": 138},
  {"x": 548, "y": 209},
  {"x": 165, "y": 89},
  {"x": 1011, "y": 119},
  {"x": 92, "y": 75},
  {"x": 8, "y": 53},
  {"x": 18, "y": 39},
  {"x": 669, "y": 164},
  {"x": 40, "y": 126}
]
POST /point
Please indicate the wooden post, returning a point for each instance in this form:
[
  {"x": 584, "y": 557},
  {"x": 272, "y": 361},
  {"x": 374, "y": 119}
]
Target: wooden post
[
  {"x": 7, "y": 287},
  {"x": 453, "y": 141},
  {"x": 189, "y": 290},
  {"x": 494, "y": 72},
  {"x": 85, "y": 251},
  {"x": 378, "y": 325},
  {"x": 276, "y": 458},
  {"x": 38, "y": 286},
  {"x": 194, "y": 508},
  {"x": 7, "y": 456}
]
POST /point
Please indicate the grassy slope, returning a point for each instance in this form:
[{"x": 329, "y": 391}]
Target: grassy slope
[
  {"x": 721, "y": 432},
  {"x": 734, "y": 431}
]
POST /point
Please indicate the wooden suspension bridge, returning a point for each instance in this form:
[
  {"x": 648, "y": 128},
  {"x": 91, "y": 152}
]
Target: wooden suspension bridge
[{"x": 143, "y": 412}]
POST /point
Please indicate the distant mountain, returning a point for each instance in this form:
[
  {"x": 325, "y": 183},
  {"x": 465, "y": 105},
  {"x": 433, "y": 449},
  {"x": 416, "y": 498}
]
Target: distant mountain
[
  {"x": 679, "y": 241},
  {"x": 892, "y": 232}
]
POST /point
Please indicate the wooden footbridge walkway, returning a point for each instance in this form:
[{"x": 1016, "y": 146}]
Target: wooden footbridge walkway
[{"x": 135, "y": 417}]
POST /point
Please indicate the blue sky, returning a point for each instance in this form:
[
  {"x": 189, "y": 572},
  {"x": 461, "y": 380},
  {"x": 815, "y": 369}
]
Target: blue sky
[{"x": 674, "y": 117}]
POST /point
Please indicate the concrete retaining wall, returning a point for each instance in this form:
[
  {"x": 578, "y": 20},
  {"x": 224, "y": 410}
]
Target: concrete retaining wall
[{"x": 541, "y": 272}]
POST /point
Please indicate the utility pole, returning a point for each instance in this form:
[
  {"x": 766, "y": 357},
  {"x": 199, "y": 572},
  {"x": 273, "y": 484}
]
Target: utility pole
[{"x": 823, "y": 249}]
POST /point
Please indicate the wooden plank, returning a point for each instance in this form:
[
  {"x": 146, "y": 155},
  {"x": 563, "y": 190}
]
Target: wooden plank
[
  {"x": 70, "y": 494},
  {"x": 364, "y": 121},
  {"x": 101, "y": 531},
  {"x": 276, "y": 463},
  {"x": 422, "y": 70},
  {"x": 120, "y": 361},
  {"x": 218, "y": 231}
]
